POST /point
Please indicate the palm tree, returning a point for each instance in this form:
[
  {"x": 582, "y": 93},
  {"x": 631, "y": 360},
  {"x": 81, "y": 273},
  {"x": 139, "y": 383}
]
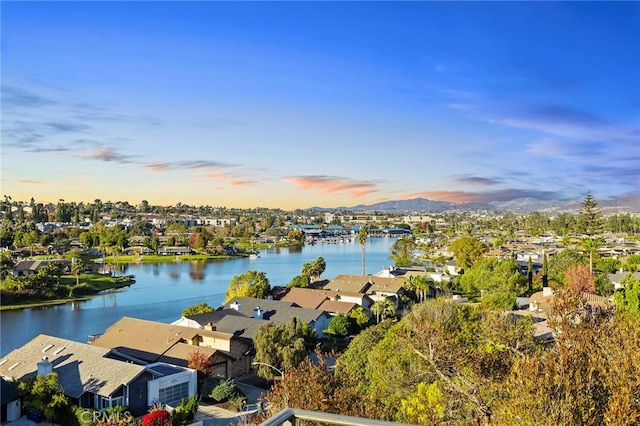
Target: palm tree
[
  {"x": 77, "y": 267},
  {"x": 384, "y": 308},
  {"x": 363, "y": 234}
]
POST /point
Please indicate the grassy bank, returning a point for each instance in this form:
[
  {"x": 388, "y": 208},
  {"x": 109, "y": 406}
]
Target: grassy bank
[{"x": 66, "y": 291}]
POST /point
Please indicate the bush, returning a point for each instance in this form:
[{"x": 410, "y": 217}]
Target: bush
[
  {"x": 224, "y": 390},
  {"x": 185, "y": 412},
  {"x": 157, "y": 418},
  {"x": 237, "y": 403}
]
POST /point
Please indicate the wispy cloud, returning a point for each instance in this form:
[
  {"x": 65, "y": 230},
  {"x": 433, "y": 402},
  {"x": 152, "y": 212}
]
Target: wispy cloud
[
  {"x": 29, "y": 181},
  {"x": 16, "y": 97},
  {"x": 228, "y": 178},
  {"x": 164, "y": 166},
  {"x": 467, "y": 179},
  {"x": 484, "y": 197},
  {"x": 105, "y": 153},
  {"x": 332, "y": 184}
]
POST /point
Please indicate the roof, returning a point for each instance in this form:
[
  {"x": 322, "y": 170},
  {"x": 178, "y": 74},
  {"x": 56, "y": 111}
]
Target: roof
[
  {"x": 180, "y": 353},
  {"x": 213, "y": 317},
  {"x": 350, "y": 283},
  {"x": 243, "y": 327},
  {"x": 277, "y": 311},
  {"x": 337, "y": 307},
  {"x": 324, "y": 300},
  {"x": 544, "y": 302},
  {"x": 80, "y": 367},
  {"x": 147, "y": 340}
]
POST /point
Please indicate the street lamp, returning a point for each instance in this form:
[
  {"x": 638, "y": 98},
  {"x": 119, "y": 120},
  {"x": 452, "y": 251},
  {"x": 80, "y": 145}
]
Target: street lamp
[{"x": 286, "y": 393}]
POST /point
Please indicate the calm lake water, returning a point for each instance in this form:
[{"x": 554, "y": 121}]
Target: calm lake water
[{"x": 162, "y": 291}]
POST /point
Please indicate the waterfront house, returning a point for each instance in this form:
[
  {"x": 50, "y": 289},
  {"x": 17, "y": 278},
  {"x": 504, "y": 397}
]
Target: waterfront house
[
  {"x": 279, "y": 312},
  {"x": 92, "y": 377},
  {"x": 147, "y": 342},
  {"x": 377, "y": 288},
  {"x": 329, "y": 301}
]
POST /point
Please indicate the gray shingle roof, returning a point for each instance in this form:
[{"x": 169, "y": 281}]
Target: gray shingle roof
[
  {"x": 275, "y": 310},
  {"x": 80, "y": 367}
]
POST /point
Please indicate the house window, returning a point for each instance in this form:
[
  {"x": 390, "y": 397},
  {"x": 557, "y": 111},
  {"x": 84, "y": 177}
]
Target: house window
[
  {"x": 111, "y": 402},
  {"x": 172, "y": 395}
]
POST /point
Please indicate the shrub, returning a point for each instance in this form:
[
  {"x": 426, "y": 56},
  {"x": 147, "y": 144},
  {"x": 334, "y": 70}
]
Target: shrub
[
  {"x": 224, "y": 390},
  {"x": 157, "y": 418},
  {"x": 185, "y": 412}
]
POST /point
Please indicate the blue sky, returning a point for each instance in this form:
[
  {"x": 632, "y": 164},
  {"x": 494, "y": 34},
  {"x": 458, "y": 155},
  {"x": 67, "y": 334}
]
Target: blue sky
[{"x": 300, "y": 104}]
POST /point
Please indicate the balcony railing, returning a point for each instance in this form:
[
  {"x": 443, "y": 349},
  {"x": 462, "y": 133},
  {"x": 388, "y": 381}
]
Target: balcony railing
[{"x": 289, "y": 416}]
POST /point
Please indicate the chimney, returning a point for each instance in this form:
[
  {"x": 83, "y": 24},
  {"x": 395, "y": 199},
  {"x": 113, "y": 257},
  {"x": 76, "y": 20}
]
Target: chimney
[
  {"x": 210, "y": 326},
  {"x": 236, "y": 306},
  {"x": 45, "y": 367},
  {"x": 258, "y": 313}
]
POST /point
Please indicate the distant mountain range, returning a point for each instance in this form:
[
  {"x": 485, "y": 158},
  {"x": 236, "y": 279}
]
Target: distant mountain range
[{"x": 629, "y": 204}]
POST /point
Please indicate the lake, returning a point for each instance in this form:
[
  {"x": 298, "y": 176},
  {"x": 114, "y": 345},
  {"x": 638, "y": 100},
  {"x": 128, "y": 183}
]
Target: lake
[{"x": 162, "y": 291}]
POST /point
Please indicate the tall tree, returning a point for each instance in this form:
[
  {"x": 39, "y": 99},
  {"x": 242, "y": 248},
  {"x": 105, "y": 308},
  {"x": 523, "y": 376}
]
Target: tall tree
[
  {"x": 282, "y": 346},
  {"x": 250, "y": 284},
  {"x": 467, "y": 251},
  {"x": 383, "y": 308},
  {"x": 77, "y": 268},
  {"x": 363, "y": 234},
  {"x": 401, "y": 251},
  {"x": 591, "y": 224}
]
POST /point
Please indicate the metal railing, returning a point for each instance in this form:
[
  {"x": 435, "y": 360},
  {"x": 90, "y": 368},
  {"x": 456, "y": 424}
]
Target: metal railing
[{"x": 289, "y": 416}]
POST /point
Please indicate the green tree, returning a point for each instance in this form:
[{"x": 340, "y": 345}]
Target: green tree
[
  {"x": 559, "y": 264},
  {"x": 359, "y": 317},
  {"x": 363, "y": 234},
  {"x": 339, "y": 326},
  {"x": 426, "y": 405},
  {"x": 315, "y": 268},
  {"x": 6, "y": 263},
  {"x": 500, "y": 282},
  {"x": 283, "y": 346},
  {"x": 627, "y": 299},
  {"x": 198, "y": 308},
  {"x": 301, "y": 281},
  {"x": 250, "y": 284},
  {"x": 77, "y": 268},
  {"x": 402, "y": 251},
  {"x": 467, "y": 251},
  {"x": 384, "y": 308},
  {"x": 43, "y": 392},
  {"x": 590, "y": 220},
  {"x": 296, "y": 237}
]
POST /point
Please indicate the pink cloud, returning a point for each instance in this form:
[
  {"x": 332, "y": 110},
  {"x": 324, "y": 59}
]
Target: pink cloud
[{"x": 330, "y": 184}]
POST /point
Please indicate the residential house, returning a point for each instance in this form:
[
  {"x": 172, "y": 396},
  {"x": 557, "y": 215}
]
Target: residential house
[
  {"x": 329, "y": 301},
  {"x": 619, "y": 276},
  {"x": 92, "y": 378},
  {"x": 377, "y": 288},
  {"x": 25, "y": 268},
  {"x": 174, "y": 251},
  {"x": 279, "y": 312},
  {"x": 147, "y": 342}
]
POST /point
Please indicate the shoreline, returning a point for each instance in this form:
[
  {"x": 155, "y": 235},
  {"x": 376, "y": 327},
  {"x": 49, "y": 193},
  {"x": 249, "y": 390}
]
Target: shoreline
[{"x": 54, "y": 302}]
